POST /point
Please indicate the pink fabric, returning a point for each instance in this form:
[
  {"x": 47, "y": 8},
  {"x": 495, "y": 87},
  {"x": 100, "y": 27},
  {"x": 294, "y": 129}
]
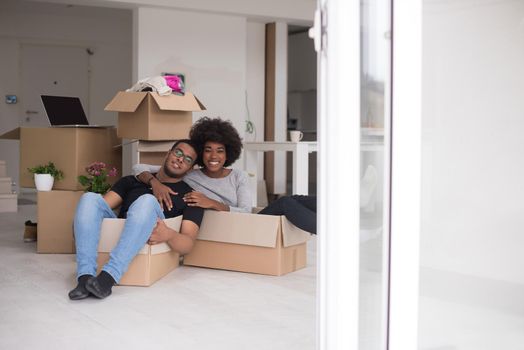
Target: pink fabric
[{"x": 175, "y": 83}]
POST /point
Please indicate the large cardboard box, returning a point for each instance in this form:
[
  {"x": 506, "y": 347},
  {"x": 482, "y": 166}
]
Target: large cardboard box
[
  {"x": 55, "y": 214},
  {"x": 150, "y": 264},
  {"x": 71, "y": 149},
  {"x": 149, "y": 116},
  {"x": 264, "y": 244}
]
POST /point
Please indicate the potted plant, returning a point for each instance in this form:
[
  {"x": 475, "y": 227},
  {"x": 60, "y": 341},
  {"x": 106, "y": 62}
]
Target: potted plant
[
  {"x": 45, "y": 176},
  {"x": 96, "y": 180}
]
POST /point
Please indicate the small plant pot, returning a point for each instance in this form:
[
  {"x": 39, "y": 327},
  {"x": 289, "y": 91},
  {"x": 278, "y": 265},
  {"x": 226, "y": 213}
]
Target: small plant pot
[{"x": 44, "y": 182}]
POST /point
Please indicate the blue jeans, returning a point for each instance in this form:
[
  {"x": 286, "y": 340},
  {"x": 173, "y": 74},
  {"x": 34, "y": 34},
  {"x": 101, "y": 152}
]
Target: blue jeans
[{"x": 91, "y": 211}]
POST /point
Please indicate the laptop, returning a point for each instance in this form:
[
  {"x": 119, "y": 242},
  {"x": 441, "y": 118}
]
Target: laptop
[{"x": 65, "y": 111}]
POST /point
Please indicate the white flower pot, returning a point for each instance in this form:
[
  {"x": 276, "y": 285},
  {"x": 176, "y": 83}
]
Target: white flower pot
[{"x": 44, "y": 182}]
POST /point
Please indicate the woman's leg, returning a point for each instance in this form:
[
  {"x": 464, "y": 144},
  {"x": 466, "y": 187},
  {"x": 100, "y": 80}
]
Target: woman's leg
[{"x": 297, "y": 209}]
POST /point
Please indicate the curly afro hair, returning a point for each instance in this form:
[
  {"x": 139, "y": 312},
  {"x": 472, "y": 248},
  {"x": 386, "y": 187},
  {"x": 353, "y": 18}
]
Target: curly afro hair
[{"x": 216, "y": 130}]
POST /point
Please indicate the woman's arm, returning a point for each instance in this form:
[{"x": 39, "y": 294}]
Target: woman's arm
[
  {"x": 244, "y": 199},
  {"x": 143, "y": 172},
  {"x": 140, "y": 168},
  {"x": 198, "y": 199}
]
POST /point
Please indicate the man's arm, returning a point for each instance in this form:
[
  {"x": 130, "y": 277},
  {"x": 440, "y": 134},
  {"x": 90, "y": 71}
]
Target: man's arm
[
  {"x": 143, "y": 173},
  {"x": 113, "y": 199},
  {"x": 181, "y": 242}
]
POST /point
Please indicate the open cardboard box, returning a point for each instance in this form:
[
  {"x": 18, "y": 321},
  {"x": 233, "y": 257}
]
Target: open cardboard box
[
  {"x": 150, "y": 264},
  {"x": 265, "y": 244},
  {"x": 149, "y": 116},
  {"x": 55, "y": 215},
  {"x": 71, "y": 149}
]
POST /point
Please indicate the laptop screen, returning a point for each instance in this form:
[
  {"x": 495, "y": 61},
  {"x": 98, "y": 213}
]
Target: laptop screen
[{"x": 63, "y": 110}]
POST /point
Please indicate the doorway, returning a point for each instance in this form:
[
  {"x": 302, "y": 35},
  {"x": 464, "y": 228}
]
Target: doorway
[{"x": 51, "y": 70}]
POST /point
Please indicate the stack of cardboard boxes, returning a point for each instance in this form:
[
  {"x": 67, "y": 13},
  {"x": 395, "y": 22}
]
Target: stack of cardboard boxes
[
  {"x": 71, "y": 150},
  {"x": 154, "y": 122},
  {"x": 8, "y": 199}
]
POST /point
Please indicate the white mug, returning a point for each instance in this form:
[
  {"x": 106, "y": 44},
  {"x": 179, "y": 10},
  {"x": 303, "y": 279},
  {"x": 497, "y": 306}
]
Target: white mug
[{"x": 295, "y": 135}]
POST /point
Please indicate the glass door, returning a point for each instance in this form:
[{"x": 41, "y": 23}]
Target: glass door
[
  {"x": 353, "y": 41},
  {"x": 375, "y": 116}
]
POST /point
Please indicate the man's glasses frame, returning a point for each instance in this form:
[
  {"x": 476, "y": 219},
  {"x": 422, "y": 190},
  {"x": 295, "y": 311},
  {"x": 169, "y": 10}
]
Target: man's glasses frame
[{"x": 177, "y": 152}]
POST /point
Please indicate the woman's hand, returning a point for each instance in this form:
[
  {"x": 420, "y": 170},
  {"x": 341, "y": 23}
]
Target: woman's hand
[
  {"x": 198, "y": 199},
  {"x": 163, "y": 194}
]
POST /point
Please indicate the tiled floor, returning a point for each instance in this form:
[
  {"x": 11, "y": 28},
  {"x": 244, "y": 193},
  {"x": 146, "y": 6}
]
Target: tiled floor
[
  {"x": 196, "y": 308},
  {"x": 191, "y": 308},
  {"x": 463, "y": 312}
]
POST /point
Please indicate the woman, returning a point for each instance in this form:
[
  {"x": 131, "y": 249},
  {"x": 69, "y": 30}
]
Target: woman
[
  {"x": 219, "y": 188},
  {"x": 216, "y": 186}
]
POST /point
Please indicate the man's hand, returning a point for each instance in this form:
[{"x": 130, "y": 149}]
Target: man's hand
[
  {"x": 161, "y": 233},
  {"x": 198, "y": 199},
  {"x": 163, "y": 194}
]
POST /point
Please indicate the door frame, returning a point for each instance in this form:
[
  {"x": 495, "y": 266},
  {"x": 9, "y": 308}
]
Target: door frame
[{"x": 339, "y": 138}]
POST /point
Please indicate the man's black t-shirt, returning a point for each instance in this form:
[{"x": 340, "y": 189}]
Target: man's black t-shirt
[{"x": 129, "y": 188}]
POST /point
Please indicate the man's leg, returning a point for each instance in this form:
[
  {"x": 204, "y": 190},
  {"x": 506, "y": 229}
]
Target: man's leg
[
  {"x": 141, "y": 219},
  {"x": 90, "y": 212},
  {"x": 295, "y": 210}
]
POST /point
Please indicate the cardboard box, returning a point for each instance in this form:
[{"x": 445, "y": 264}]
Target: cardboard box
[
  {"x": 71, "y": 149},
  {"x": 55, "y": 214},
  {"x": 264, "y": 244},
  {"x": 6, "y": 185},
  {"x": 150, "y": 264},
  {"x": 8, "y": 203},
  {"x": 149, "y": 116}
]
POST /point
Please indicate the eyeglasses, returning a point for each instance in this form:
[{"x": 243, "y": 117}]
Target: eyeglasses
[{"x": 178, "y": 153}]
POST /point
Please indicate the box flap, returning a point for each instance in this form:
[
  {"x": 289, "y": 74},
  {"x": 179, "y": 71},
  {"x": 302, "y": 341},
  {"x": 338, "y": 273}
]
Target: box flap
[
  {"x": 292, "y": 235},
  {"x": 112, "y": 228},
  {"x": 11, "y": 135},
  {"x": 125, "y": 101},
  {"x": 240, "y": 228},
  {"x": 188, "y": 102}
]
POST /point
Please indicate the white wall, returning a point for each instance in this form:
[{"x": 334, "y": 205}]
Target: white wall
[
  {"x": 473, "y": 120},
  {"x": 211, "y": 50},
  {"x": 106, "y": 31}
]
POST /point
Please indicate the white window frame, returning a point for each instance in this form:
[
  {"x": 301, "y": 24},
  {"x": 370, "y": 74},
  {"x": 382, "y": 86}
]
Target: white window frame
[{"x": 339, "y": 161}]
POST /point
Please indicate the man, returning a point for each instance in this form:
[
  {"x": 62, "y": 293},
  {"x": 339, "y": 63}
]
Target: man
[{"x": 143, "y": 224}]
